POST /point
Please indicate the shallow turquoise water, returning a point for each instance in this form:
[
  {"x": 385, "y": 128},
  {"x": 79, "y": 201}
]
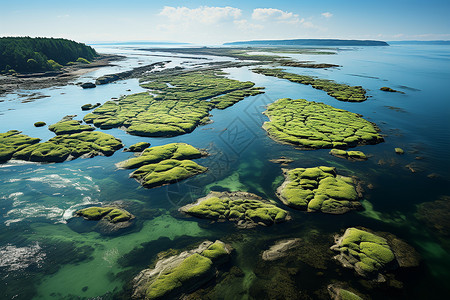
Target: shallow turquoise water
[{"x": 44, "y": 257}]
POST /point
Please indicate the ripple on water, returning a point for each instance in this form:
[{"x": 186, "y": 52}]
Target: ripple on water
[
  {"x": 47, "y": 193},
  {"x": 14, "y": 258}
]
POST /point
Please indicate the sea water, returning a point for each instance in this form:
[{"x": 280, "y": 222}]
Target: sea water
[{"x": 46, "y": 254}]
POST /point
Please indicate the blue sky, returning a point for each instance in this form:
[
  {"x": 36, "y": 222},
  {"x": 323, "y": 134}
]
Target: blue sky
[{"x": 215, "y": 22}]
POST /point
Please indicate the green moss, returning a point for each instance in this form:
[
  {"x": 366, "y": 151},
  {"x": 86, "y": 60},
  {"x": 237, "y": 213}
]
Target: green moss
[
  {"x": 89, "y": 106},
  {"x": 138, "y": 147},
  {"x": 111, "y": 214},
  {"x": 215, "y": 251},
  {"x": 192, "y": 267},
  {"x": 13, "y": 141},
  {"x": 318, "y": 189},
  {"x": 399, "y": 151},
  {"x": 317, "y": 125},
  {"x": 347, "y": 295},
  {"x": 388, "y": 89},
  {"x": 173, "y": 110},
  {"x": 240, "y": 207},
  {"x": 83, "y": 60},
  {"x": 339, "y": 91},
  {"x": 369, "y": 252},
  {"x": 68, "y": 127},
  {"x": 63, "y": 147},
  {"x": 39, "y": 124}
]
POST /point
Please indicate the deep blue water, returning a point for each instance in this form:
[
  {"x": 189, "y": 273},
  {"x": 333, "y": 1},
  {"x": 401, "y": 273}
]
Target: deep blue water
[{"x": 45, "y": 256}]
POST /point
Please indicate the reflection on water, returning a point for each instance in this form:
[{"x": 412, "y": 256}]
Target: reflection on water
[{"x": 56, "y": 262}]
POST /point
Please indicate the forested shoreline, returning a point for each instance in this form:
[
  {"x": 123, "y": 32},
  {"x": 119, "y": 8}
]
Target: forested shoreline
[{"x": 26, "y": 54}]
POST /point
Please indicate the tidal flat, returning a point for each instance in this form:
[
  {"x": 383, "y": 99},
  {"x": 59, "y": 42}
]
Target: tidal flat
[{"x": 226, "y": 188}]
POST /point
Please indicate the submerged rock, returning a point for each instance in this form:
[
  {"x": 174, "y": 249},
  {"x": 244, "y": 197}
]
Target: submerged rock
[
  {"x": 182, "y": 273},
  {"x": 316, "y": 125},
  {"x": 388, "y": 89},
  {"x": 282, "y": 160},
  {"x": 138, "y": 147},
  {"x": 436, "y": 215},
  {"x": 336, "y": 90},
  {"x": 319, "y": 189},
  {"x": 351, "y": 155},
  {"x": 247, "y": 209},
  {"x": 165, "y": 164},
  {"x": 279, "y": 249},
  {"x": 399, "y": 151}
]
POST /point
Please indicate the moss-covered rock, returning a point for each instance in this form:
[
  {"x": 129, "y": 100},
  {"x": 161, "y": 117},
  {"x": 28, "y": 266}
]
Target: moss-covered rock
[
  {"x": 13, "y": 141},
  {"x": 316, "y": 125},
  {"x": 351, "y": 155},
  {"x": 399, "y": 151},
  {"x": 182, "y": 273},
  {"x": 246, "y": 209},
  {"x": 178, "y": 104},
  {"x": 40, "y": 124},
  {"x": 70, "y": 146},
  {"x": 165, "y": 164},
  {"x": 110, "y": 214},
  {"x": 90, "y": 106},
  {"x": 336, "y": 90},
  {"x": 366, "y": 253},
  {"x": 338, "y": 293},
  {"x": 138, "y": 147},
  {"x": 319, "y": 189},
  {"x": 69, "y": 126}
]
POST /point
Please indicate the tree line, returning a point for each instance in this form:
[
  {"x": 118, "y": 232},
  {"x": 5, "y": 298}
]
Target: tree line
[{"x": 26, "y": 54}]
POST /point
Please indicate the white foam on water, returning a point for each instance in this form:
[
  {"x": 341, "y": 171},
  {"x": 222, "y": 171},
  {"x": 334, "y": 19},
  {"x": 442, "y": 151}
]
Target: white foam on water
[{"x": 18, "y": 258}]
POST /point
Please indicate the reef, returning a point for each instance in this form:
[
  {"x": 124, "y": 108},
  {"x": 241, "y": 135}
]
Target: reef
[
  {"x": 178, "y": 104},
  {"x": 138, "y": 147},
  {"x": 339, "y": 91},
  {"x": 316, "y": 125},
  {"x": 13, "y": 141},
  {"x": 246, "y": 209},
  {"x": 371, "y": 255},
  {"x": 68, "y": 126},
  {"x": 110, "y": 218},
  {"x": 58, "y": 149},
  {"x": 319, "y": 189},
  {"x": 436, "y": 215},
  {"x": 182, "y": 273},
  {"x": 161, "y": 165},
  {"x": 388, "y": 89},
  {"x": 350, "y": 155}
]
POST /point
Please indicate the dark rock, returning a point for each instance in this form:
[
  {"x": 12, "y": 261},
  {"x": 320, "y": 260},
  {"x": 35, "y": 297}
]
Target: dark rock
[{"x": 87, "y": 85}]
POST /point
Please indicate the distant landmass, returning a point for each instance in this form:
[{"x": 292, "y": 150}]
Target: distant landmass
[
  {"x": 309, "y": 42},
  {"x": 421, "y": 42},
  {"x": 137, "y": 43}
]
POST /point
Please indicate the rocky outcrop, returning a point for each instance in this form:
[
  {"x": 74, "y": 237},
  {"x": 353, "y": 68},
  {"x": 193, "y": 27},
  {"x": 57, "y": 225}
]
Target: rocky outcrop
[{"x": 182, "y": 273}]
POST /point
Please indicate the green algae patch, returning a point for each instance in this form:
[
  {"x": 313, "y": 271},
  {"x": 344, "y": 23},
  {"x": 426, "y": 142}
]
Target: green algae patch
[
  {"x": 182, "y": 273},
  {"x": 13, "y": 141},
  {"x": 399, "y": 151},
  {"x": 177, "y": 151},
  {"x": 365, "y": 252},
  {"x": 70, "y": 146},
  {"x": 246, "y": 209},
  {"x": 40, "y": 124},
  {"x": 69, "y": 126},
  {"x": 350, "y": 155},
  {"x": 161, "y": 165},
  {"x": 315, "y": 125},
  {"x": 138, "y": 147},
  {"x": 339, "y": 91},
  {"x": 319, "y": 189},
  {"x": 336, "y": 292},
  {"x": 110, "y": 214},
  {"x": 177, "y": 104}
]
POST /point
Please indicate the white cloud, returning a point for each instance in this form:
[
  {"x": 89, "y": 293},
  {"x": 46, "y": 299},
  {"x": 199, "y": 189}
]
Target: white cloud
[
  {"x": 273, "y": 14},
  {"x": 202, "y": 14},
  {"x": 246, "y": 25},
  {"x": 327, "y": 15}
]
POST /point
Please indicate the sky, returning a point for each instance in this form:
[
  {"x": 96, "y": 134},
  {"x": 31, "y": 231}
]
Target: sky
[{"x": 216, "y": 22}]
